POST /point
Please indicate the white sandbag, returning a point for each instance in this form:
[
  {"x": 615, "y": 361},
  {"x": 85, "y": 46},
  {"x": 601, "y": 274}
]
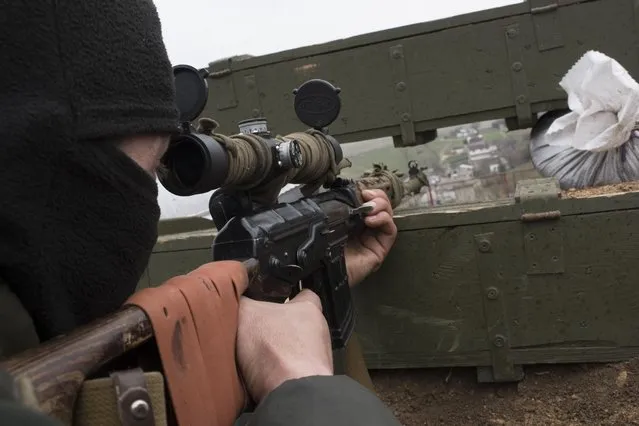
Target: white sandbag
[
  {"x": 575, "y": 168},
  {"x": 596, "y": 142},
  {"x": 604, "y": 103}
]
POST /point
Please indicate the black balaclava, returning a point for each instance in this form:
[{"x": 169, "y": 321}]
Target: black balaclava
[{"x": 78, "y": 218}]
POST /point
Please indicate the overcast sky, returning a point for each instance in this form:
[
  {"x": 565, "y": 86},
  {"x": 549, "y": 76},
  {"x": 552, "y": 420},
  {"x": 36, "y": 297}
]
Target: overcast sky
[{"x": 197, "y": 32}]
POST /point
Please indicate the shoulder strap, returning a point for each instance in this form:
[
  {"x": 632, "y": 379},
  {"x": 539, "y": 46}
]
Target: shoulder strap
[{"x": 17, "y": 332}]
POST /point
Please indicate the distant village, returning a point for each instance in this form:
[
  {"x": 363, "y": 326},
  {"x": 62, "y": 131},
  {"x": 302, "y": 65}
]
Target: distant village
[{"x": 479, "y": 162}]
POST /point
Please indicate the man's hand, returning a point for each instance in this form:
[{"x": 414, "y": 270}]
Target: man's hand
[
  {"x": 279, "y": 342},
  {"x": 366, "y": 252}
]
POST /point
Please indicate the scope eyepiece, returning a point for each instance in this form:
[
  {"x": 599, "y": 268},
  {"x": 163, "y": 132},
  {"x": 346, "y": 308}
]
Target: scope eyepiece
[{"x": 195, "y": 164}]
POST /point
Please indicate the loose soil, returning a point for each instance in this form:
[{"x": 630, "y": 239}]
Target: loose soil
[
  {"x": 586, "y": 394},
  {"x": 617, "y": 188}
]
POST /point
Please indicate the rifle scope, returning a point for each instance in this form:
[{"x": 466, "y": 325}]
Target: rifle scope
[{"x": 200, "y": 160}]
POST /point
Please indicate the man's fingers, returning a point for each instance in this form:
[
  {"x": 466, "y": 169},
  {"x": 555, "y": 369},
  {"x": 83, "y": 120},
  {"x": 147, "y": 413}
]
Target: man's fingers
[
  {"x": 372, "y": 194},
  {"x": 369, "y": 194},
  {"x": 382, "y": 222},
  {"x": 379, "y": 204},
  {"x": 307, "y": 295}
]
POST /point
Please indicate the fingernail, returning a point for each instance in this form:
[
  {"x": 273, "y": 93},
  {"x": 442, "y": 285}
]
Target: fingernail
[{"x": 370, "y": 204}]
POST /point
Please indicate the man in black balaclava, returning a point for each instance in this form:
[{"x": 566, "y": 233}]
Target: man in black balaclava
[{"x": 87, "y": 106}]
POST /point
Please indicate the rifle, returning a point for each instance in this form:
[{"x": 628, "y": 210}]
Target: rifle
[{"x": 285, "y": 242}]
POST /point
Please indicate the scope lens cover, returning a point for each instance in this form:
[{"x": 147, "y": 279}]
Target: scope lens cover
[
  {"x": 317, "y": 103},
  {"x": 191, "y": 92}
]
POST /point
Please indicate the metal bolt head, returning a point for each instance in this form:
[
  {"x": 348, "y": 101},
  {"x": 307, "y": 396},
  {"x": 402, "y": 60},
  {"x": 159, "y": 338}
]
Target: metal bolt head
[
  {"x": 521, "y": 99},
  {"x": 401, "y": 86},
  {"x": 405, "y": 117},
  {"x": 492, "y": 293},
  {"x": 517, "y": 66},
  {"x": 397, "y": 54},
  {"x": 256, "y": 113},
  {"x": 511, "y": 33},
  {"x": 140, "y": 409},
  {"x": 484, "y": 246},
  {"x": 499, "y": 341}
]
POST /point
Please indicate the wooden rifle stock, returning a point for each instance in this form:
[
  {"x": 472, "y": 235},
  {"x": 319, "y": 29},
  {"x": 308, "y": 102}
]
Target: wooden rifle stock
[{"x": 50, "y": 376}]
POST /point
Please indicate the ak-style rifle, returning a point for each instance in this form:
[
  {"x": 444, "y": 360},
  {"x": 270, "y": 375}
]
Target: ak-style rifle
[{"x": 285, "y": 242}]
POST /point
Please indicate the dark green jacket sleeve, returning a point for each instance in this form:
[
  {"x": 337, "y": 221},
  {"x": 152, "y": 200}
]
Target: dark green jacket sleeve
[
  {"x": 13, "y": 413},
  {"x": 322, "y": 400}
]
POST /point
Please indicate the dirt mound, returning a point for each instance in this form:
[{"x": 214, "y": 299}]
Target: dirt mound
[
  {"x": 593, "y": 394},
  {"x": 597, "y": 191}
]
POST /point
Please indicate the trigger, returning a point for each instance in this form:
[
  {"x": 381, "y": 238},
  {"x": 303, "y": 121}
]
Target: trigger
[
  {"x": 292, "y": 272},
  {"x": 295, "y": 290}
]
